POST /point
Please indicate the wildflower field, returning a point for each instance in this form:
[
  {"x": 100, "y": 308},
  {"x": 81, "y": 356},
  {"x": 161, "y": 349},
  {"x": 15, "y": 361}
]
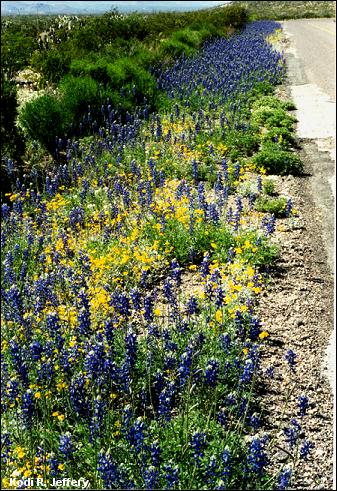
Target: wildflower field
[{"x": 131, "y": 275}]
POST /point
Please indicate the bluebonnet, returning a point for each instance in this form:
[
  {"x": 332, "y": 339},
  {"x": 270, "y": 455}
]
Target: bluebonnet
[
  {"x": 155, "y": 453},
  {"x": 148, "y": 307},
  {"x": 113, "y": 475},
  {"x": 284, "y": 477},
  {"x": 289, "y": 207},
  {"x": 205, "y": 266},
  {"x": 28, "y": 408},
  {"x": 184, "y": 369},
  {"x": 254, "y": 421},
  {"x": 131, "y": 347},
  {"x": 76, "y": 217},
  {"x": 18, "y": 359},
  {"x": 171, "y": 474},
  {"x": 224, "y": 341},
  {"x": 166, "y": 401},
  {"x": 195, "y": 171},
  {"x": 66, "y": 446},
  {"x": 96, "y": 421},
  {"x": 135, "y": 298},
  {"x": 303, "y": 404},
  {"x": 290, "y": 357},
  {"x": 214, "y": 214},
  {"x": 254, "y": 328},
  {"x": 176, "y": 272},
  {"x": 270, "y": 371},
  {"x": 211, "y": 471},
  {"x": 94, "y": 360},
  {"x": 198, "y": 444},
  {"x": 257, "y": 459},
  {"x": 79, "y": 396},
  {"x": 292, "y": 432},
  {"x": 222, "y": 417},
  {"x": 226, "y": 458},
  {"x": 151, "y": 476},
  {"x": 305, "y": 449},
  {"x": 192, "y": 305},
  {"x": 212, "y": 372},
  {"x": 135, "y": 434},
  {"x": 169, "y": 291}
]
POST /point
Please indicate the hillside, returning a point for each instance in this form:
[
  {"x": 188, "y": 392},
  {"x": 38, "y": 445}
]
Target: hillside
[{"x": 288, "y": 9}]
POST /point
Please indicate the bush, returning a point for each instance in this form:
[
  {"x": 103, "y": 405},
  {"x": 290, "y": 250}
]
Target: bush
[
  {"x": 272, "y": 117},
  {"x": 172, "y": 48},
  {"x": 282, "y": 136},
  {"x": 241, "y": 143},
  {"x": 189, "y": 37},
  {"x": 277, "y": 206},
  {"x": 78, "y": 93},
  {"x": 271, "y": 101},
  {"x": 269, "y": 187},
  {"x": 278, "y": 161},
  {"x": 44, "y": 118},
  {"x": 12, "y": 140},
  {"x": 52, "y": 65}
]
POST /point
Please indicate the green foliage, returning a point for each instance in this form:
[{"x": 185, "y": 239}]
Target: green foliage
[
  {"x": 271, "y": 117},
  {"x": 279, "y": 10},
  {"x": 78, "y": 93},
  {"x": 11, "y": 138},
  {"x": 16, "y": 50},
  {"x": 268, "y": 187},
  {"x": 273, "y": 102},
  {"x": 172, "y": 48},
  {"x": 282, "y": 136},
  {"x": 241, "y": 143},
  {"x": 189, "y": 37},
  {"x": 278, "y": 161},
  {"x": 277, "y": 206},
  {"x": 52, "y": 65},
  {"x": 44, "y": 118}
]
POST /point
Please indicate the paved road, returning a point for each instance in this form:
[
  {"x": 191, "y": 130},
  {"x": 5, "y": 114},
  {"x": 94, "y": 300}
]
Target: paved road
[
  {"x": 311, "y": 63},
  {"x": 314, "y": 41},
  {"x": 311, "y": 72}
]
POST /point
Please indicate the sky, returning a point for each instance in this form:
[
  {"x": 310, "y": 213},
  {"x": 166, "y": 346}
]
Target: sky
[{"x": 107, "y": 5}]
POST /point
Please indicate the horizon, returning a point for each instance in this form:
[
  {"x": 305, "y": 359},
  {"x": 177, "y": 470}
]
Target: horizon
[{"x": 26, "y": 7}]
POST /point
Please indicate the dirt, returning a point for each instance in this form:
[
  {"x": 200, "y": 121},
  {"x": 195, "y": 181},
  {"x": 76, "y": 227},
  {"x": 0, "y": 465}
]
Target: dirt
[{"x": 297, "y": 310}]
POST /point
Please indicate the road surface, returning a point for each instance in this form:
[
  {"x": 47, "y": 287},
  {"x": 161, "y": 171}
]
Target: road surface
[{"x": 311, "y": 55}]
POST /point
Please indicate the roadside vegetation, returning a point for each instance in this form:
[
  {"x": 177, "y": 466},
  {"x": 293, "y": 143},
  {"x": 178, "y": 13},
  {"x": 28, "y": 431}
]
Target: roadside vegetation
[
  {"x": 282, "y": 10},
  {"x": 137, "y": 237}
]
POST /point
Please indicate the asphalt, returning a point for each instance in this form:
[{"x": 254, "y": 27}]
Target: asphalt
[{"x": 311, "y": 60}]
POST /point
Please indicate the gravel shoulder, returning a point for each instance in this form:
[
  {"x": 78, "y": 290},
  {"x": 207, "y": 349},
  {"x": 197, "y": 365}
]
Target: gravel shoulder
[{"x": 298, "y": 305}]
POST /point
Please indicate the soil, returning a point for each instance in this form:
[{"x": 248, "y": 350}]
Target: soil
[{"x": 297, "y": 310}]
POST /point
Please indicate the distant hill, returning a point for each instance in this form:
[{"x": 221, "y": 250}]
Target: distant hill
[
  {"x": 279, "y": 10},
  {"x": 33, "y": 8},
  {"x": 52, "y": 8}
]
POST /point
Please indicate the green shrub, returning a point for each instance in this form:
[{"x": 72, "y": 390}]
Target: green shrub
[
  {"x": 44, "y": 118},
  {"x": 268, "y": 187},
  {"x": 277, "y": 206},
  {"x": 271, "y": 117},
  {"x": 52, "y": 65},
  {"x": 282, "y": 136},
  {"x": 271, "y": 101},
  {"x": 12, "y": 139},
  {"x": 278, "y": 161},
  {"x": 241, "y": 143},
  {"x": 173, "y": 48},
  {"x": 78, "y": 93},
  {"x": 189, "y": 37}
]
